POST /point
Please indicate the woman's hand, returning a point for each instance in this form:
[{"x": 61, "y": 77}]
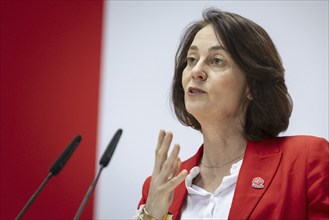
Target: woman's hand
[{"x": 164, "y": 179}]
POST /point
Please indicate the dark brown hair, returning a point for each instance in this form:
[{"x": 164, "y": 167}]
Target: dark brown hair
[{"x": 268, "y": 113}]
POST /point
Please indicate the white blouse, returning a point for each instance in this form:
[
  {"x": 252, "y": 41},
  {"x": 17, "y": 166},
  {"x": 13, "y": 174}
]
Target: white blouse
[{"x": 201, "y": 204}]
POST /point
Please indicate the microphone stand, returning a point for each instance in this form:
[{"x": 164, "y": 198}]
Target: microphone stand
[
  {"x": 88, "y": 194},
  {"x": 104, "y": 161},
  {"x": 27, "y": 205}
]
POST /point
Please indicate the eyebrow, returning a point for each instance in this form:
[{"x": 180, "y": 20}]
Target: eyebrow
[{"x": 213, "y": 48}]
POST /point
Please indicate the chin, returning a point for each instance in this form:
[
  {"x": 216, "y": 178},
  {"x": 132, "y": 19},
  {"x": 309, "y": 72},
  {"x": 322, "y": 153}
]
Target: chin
[{"x": 196, "y": 110}]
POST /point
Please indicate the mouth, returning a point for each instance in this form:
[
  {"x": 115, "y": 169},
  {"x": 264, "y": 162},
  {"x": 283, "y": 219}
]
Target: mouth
[{"x": 195, "y": 91}]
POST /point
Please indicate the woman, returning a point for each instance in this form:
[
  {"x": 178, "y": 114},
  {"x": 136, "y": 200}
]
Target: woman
[{"x": 229, "y": 84}]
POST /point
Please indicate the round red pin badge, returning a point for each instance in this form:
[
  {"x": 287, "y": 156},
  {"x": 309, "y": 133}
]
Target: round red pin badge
[{"x": 258, "y": 182}]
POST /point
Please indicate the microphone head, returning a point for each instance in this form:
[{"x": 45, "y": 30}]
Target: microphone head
[
  {"x": 105, "y": 159},
  {"x": 63, "y": 158}
]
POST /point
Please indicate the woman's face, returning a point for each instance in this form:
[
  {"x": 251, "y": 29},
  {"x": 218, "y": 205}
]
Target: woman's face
[{"x": 213, "y": 84}]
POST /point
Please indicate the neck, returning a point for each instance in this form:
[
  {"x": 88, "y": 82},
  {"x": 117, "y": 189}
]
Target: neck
[{"x": 222, "y": 143}]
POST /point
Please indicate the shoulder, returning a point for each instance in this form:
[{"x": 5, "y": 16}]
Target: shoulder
[
  {"x": 309, "y": 151},
  {"x": 298, "y": 143},
  {"x": 302, "y": 140},
  {"x": 303, "y": 144},
  {"x": 292, "y": 148}
]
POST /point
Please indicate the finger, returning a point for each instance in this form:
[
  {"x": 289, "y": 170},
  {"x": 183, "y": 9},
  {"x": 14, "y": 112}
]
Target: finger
[
  {"x": 157, "y": 166},
  {"x": 161, "y": 136},
  {"x": 166, "y": 143},
  {"x": 175, "y": 168},
  {"x": 174, "y": 154},
  {"x": 162, "y": 152},
  {"x": 175, "y": 181},
  {"x": 169, "y": 166}
]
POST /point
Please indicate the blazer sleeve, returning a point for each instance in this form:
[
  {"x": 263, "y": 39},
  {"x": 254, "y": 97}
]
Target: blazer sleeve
[
  {"x": 318, "y": 180},
  {"x": 145, "y": 191}
]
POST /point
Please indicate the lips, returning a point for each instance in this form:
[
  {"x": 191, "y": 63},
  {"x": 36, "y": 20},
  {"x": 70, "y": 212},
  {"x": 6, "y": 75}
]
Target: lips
[{"x": 195, "y": 91}]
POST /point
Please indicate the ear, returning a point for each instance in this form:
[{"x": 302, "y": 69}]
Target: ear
[{"x": 249, "y": 96}]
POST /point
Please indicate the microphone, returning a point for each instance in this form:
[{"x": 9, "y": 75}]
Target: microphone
[
  {"x": 103, "y": 162},
  {"x": 54, "y": 169},
  {"x": 63, "y": 158}
]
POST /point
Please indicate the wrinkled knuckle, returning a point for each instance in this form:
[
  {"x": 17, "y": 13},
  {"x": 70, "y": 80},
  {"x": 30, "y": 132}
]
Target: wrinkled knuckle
[
  {"x": 161, "y": 155},
  {"x": 165, "y": 166}
]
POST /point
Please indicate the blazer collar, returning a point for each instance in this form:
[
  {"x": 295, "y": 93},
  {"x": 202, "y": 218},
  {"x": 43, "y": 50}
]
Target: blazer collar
[{"x": 261, "y": 160}]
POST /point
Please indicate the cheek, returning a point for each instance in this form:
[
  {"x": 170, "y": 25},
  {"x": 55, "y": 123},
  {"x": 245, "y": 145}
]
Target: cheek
[
  {"x": 224, "y": 85},
  {"x": 230, "y": 88}
]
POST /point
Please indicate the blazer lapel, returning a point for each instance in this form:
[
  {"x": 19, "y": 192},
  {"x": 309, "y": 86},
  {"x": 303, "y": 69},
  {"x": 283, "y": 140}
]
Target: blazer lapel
[{"x": 261, "y": 160}]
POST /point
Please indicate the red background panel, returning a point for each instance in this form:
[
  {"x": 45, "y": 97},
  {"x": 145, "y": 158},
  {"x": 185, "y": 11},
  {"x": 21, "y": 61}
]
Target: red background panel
[{"x": 50, "y": 67}]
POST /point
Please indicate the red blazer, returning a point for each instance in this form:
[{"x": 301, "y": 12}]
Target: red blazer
[{"x": 295, "y": 171}]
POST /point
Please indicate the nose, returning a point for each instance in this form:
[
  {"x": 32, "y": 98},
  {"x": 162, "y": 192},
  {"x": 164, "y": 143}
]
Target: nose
[{"x": 198, "y": 72}]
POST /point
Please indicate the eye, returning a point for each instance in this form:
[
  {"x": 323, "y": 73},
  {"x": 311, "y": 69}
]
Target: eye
[
  {"x": 217, "y": 61},
  {"x": 191, "y": 61}
]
